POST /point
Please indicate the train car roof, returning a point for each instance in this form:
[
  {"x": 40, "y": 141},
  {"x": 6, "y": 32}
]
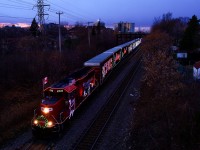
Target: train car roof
[
  {"x": 128, "y": 43},
  {"x": 98, "y": 60},
  {"x": 74, "y": 76},
  {"x": 113, "y": 50}
]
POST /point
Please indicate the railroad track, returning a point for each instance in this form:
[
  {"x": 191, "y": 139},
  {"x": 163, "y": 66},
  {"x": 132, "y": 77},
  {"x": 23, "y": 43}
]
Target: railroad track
[
  {"x": 37, "y": 144},
  {"x": 92, "y": 136}
]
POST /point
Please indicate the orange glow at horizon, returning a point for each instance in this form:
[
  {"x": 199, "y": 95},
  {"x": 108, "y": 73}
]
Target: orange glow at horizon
[{"x": 20, "y": 24}]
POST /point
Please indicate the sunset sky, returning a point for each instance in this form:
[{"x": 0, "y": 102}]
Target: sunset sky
[{"x": 141, "y": 12}]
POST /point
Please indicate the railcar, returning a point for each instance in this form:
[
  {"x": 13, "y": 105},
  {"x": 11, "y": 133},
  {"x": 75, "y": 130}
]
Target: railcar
[{"x": 61, "y": 99}]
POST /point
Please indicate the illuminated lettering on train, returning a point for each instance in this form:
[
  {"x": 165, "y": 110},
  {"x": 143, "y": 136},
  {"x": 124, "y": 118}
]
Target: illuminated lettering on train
[
  {"x": 86, "y": 86},
  {"x": 59, "y": 91},
  {"x": 117, "y": 57},
  {"x": 130, "y": 48},
  {"x": 124, "y": 52},
  {"x": 107, "y": 67}
]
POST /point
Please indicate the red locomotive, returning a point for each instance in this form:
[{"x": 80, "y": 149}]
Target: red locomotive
[{"x": 64, "y": 97}]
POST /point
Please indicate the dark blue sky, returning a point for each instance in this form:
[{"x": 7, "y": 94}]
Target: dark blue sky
[{"x": 141, "y": 12}]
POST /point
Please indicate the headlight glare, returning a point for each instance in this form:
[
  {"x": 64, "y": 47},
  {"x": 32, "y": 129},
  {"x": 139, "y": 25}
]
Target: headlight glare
[
  {"x": 35, "y": 122},
  {"x": 50, "y": 124},
  {"x": 46, "y": 110}
]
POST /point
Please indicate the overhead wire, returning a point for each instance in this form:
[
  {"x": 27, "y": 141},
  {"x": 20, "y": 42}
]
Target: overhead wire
[
  {"x": 68, "y": 13},
  {"x": 76, "y": 7},
  {"x": 15, "y": 17},
  {"x": 21, "y": 2},
  {"x": 54, "y": 8},
  {"x": 55, "y": 11},
  {"x": 15, "y": 7},
  {"x": 12, "y": 6}
]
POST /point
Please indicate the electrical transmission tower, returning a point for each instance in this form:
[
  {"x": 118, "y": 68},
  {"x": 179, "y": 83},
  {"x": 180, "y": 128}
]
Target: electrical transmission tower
[{"x": 41, "y": 13}]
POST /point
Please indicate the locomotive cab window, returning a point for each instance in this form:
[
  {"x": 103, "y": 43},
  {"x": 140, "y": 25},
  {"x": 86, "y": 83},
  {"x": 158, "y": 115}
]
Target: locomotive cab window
[{"x": 52, "y": 97}]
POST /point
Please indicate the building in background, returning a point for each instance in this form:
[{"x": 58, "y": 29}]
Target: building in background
[
  {"x": 125, "y": 27},
  {"x": 125, "y": 32},
  {"x": 99, "y": 23}
]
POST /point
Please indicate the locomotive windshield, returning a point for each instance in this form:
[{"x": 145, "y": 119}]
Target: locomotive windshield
[{"x": 51, "y": 97}]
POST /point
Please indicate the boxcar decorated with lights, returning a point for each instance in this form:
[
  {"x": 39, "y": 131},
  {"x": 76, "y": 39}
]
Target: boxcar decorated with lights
[{"x": 64, "y": 97}]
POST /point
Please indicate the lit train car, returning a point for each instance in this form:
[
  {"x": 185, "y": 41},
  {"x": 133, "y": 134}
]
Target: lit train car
[
  {"x": 117, "y": 54},
  {"x": 103, "y": 64},
  {"x": 64, "y": 97},
  {"x": 130, "y": 46}
]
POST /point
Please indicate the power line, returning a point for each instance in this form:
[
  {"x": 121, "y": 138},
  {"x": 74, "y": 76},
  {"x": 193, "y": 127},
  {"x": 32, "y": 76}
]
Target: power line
[
  {"x": 14, "y": 17},
  {"x": 41, "y": 9},
  {"x": 25, "y": 2},
  {"x": 16, "y": 7},
  {"x": 21, "y": 2},
  {"x": 68, "y": 13},
  {"x": 3, "y": 4},
  {"x": 77, "y": 8}
]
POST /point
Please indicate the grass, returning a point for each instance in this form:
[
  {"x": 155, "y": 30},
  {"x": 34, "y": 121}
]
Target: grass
[{"x": 16, "y": 116}]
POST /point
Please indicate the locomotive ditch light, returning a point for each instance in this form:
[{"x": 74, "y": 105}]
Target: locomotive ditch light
[
  {"x": 50, "y": 124},
  {"x": 35, "y": 122}
]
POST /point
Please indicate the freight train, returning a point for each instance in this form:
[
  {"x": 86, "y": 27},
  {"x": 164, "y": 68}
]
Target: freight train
[{"x": 63, "y": 98}]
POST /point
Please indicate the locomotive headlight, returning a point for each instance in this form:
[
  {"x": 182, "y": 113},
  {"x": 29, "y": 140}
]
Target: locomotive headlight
[
  {"x": 35, "y": 122},
  {"x": 50, "y": 124},
  {"x": 46, "y": 110}
]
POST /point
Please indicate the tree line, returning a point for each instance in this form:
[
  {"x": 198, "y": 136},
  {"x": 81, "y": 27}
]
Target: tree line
[{"x": 167, "y": 114}]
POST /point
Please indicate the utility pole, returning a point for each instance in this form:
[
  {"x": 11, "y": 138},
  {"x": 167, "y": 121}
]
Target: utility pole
[
  {"x": 59, "y": 13},
  {"x": 89, "y": 34}
]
